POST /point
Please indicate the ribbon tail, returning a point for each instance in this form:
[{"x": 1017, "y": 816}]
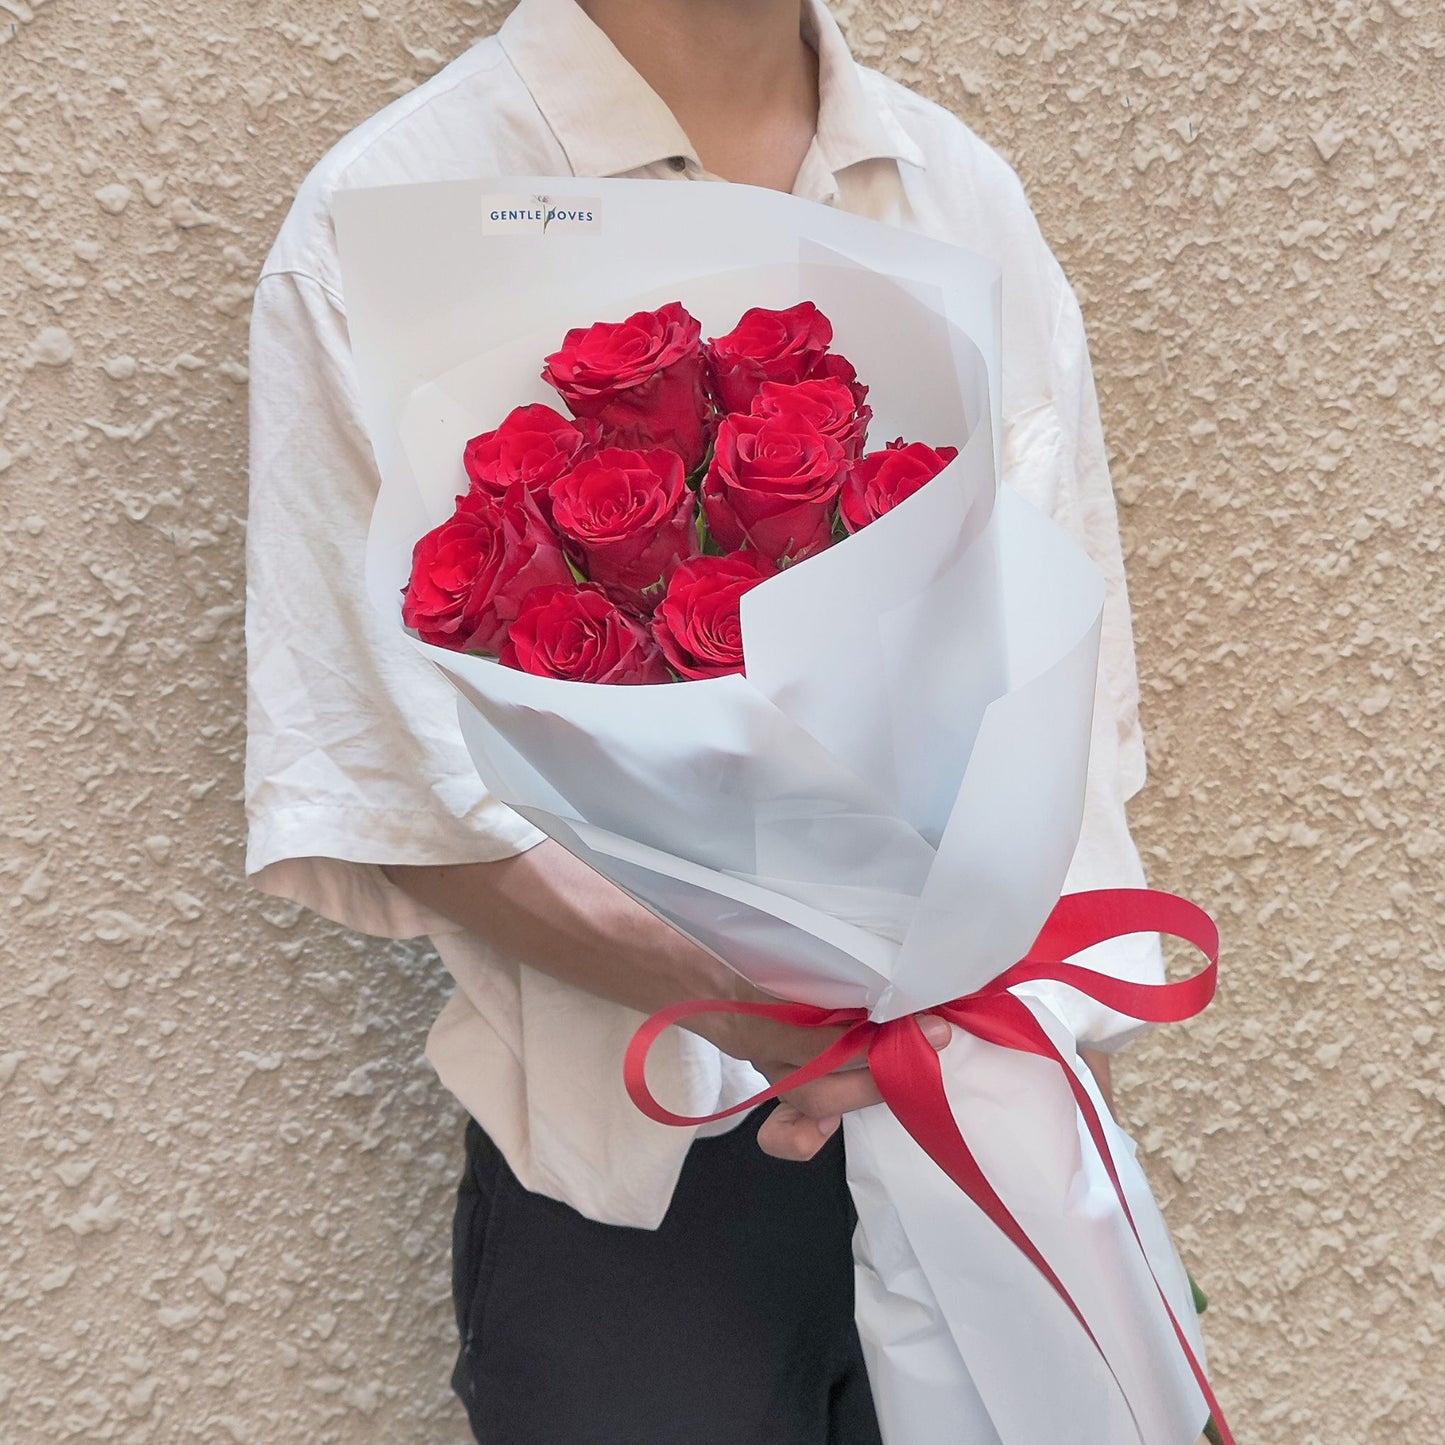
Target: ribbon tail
[
  {"x": 909, "y": 1075},
  {"x": 1021, "y": 1030}
]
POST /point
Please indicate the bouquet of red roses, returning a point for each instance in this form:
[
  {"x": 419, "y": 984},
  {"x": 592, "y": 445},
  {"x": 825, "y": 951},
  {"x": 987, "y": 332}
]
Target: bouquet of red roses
[
  {"x": 615, "y": 545},
  {"x": 867, "y": 790}
]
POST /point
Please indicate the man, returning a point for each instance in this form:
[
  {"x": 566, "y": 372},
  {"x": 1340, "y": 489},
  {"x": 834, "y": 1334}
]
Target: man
[{"x": 616, "y": 1281}]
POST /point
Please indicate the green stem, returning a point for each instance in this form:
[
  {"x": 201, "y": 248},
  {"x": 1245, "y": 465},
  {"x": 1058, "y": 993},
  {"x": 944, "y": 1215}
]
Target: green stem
[{"x": 1201, "y": 1303}]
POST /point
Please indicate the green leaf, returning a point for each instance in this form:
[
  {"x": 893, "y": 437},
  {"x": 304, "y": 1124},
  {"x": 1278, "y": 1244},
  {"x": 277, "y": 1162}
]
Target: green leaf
[
  {"x": 578, "y": 575},
  {"x": 1201, "y": 1300},
  {"x": 1211, "y": 1433}
]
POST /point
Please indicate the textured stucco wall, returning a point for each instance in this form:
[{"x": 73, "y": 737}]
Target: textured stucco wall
[{"x": 226, "y": 1170}]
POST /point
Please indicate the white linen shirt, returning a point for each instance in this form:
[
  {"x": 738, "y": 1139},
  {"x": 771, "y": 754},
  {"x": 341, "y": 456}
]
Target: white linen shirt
[{"x": 354, "y": 758}]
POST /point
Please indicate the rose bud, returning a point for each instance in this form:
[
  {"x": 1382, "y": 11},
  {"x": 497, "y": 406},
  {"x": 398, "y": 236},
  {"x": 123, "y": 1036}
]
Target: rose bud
[
  {"x": 881, "y": 480},
  {"x": 534, "y": 446},
  {"x": 785, "y": 346},
  {"x": 470, "y": 575},
  {"x": 629, "y": 517},
  {"x": 698, "y": 623},
  {"x": 580, "y": 635},
  {"x": 643, "y": 380},
  {"x": 825, "y": 403},
  {"x": 772, "y": 485}
]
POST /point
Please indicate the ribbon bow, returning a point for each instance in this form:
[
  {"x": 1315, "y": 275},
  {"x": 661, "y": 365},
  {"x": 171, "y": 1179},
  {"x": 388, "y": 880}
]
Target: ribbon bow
[{"x": 909, "y": 1074}]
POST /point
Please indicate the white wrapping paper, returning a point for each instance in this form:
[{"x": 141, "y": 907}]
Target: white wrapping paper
[{"x": 882, "y": 813}]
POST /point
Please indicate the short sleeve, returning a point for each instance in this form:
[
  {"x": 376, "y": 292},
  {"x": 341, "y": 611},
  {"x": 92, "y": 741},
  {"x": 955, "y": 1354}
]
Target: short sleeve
[
  {"x": 354, "y": 757},
  {"x": 1054, "y": 453}
]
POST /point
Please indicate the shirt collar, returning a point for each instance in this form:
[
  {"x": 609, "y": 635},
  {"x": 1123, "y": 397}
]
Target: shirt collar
[{"x": 608, "y": 120}]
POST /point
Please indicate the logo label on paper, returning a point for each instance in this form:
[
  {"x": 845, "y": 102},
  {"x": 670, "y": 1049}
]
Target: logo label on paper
[{"x": 542, "y": 215}]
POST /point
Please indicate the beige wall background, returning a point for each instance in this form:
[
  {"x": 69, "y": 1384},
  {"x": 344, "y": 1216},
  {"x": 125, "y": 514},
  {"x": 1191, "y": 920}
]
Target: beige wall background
[{"x": 226, "y": 1170}]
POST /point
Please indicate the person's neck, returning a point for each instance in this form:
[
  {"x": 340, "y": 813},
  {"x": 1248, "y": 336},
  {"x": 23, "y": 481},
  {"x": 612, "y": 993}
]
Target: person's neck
[{"x": 737, "y": 74}]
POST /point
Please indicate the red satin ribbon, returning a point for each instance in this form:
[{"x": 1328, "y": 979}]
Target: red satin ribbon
[{"x": 909, "y": 1075}]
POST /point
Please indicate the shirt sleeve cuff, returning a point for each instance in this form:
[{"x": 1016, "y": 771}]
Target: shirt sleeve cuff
[{"x": 330, "y": 860}]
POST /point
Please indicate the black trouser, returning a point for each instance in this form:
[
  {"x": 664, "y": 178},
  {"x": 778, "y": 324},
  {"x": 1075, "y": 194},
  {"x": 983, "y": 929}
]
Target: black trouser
[{"x": 730, "y": 1324}]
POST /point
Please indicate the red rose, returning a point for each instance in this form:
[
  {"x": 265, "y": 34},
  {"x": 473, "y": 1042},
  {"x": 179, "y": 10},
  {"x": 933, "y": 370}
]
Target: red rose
[
  {"x": 838, "y": 368},
  {"x": 643, "y": 380},
  {"x": 785, "y": 346},
  {"x": 630, "y": 517},
  {"x": 883, "y": 479},
  {"x": 470, "y": 575},
  {"x": 534, "y": 446},
  {"x": 825, "y": 403},
  {"x": 772, "y": 485},
  {"x": 578, "y": 634},
  {"x": 697, "y": 624}
]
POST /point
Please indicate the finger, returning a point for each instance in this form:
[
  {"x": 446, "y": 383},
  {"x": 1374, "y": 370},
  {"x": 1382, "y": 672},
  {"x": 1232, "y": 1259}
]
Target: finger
[
  {"x": 794, "y": 1046},
  {"x": 789, "y": 1053},
  {"x": 835, "y": 1094},
  {"x": 788, "y": 1134},
  {"x": 937, "y": 1031}
]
